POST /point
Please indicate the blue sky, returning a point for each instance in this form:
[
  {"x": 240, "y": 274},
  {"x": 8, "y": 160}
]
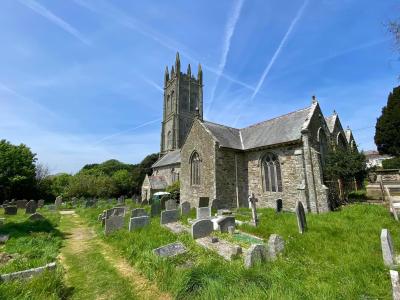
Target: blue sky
[{"x": 81, "y": 81}]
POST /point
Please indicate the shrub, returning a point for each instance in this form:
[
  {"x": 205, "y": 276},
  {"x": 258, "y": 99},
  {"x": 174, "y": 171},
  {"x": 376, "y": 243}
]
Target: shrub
[{"x": 392, "y": 163}]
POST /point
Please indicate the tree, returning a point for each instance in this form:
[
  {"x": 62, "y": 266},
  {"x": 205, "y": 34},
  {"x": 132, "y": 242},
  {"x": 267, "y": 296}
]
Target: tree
[
  {"x": 387, "y": 129},
  {"x": 174, "y": 189},
  {"x": 60, "y": 184},
  {"x": 17, "y": 171},
  {"x": 123, "y": 182},
  {"x": 140, "y": 172}
]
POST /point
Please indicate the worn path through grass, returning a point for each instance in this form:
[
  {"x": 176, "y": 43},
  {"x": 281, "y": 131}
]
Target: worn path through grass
[{"x": 95, "y": 270}]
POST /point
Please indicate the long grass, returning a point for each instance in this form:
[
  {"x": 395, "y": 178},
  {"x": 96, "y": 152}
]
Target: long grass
[{"x": 338, "y": 258}]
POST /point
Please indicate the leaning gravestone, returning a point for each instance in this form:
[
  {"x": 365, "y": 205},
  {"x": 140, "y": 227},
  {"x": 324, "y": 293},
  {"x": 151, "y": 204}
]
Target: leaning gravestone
[
  {"x": 226, "y": 222},
  {"x": 170, "y": 204},
  {"x": 113, "y": 223},
  {"x": 31, "y": 207},
  {"x": 138, "y": 222},
  {"x": 276, "y": 244},
  {"x": 185, "y": 208},
  {"x": 256, "y": 254},
  {"x": 35, "y": 217},
  {"x": 301, "y": 217},
  {"x": 202, "y": 228},
  {"x": 203, "y": 213},
  {"x": 155, "y": 209},
  {"x": 387, "y": 248},
  {"x": 204, "y": 201},
  {"x": 40, "y": 203},
  {"x": 169, "y": 216},
  {"x": 279, "y": 205},
  {"x": 138, "y": 212},
  {"x": 170, "y": 250},
  {"x": 22, "y": 203},
  {"x": 10, "y": 210}
]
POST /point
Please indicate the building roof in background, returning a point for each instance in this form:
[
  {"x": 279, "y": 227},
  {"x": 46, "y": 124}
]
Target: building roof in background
[
  {"x": 171, "y": 158},
  {"x": 330, "y": 121}
]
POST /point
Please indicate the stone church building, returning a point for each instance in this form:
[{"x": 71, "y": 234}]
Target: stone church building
[{"x": 281, "y": 158}]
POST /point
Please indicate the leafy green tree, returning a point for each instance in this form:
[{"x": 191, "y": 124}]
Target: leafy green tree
[
  {"x": 392, "y": 163},
  {"x": 387, "y": 132},
  {"x": 123, "y": 181},
  {"x": 174, "y": 189},
  {"x": 345, "y": 165},
  {"x": 142, "y": 169},
  {"x": 17, "y": 171},
  {"x": 60, "y": 183}
]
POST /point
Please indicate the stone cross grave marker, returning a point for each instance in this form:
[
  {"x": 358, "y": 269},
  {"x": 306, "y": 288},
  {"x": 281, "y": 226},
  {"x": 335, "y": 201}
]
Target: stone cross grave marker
[
  {"x": 203, "y": 213},
  {"x": 185, "y": 208},
  {"x": 138, "y": 222},
  {"x": 201, "y": 228},
  {"x": 40, "y": 203},
  {"x": 204, "y": 201},
  {"x": 279, "y": 205},
  {"x": 226, "y": 222},
  {"x": 276, "y": 244},
  {"x": 256, "y": 254},
  {"x": 155, "y": 209},
  {"x": 10, "y": 210},
  {"x": 387, "y": 248},
  {"x": 170, "y": 250},
  {"x": 170, "y": 204},
  {"x": 252, "y": 202},
  {"x": 138, "y": 212},
  {"x": 113, "y": 223},
  {"x": 301, "y": 217},
  {"x": 169, "y": 216},
  {"x": 31, "y": 207}
]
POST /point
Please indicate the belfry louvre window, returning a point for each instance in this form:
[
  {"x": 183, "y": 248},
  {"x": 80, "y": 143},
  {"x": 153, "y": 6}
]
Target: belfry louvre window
[
  {"x": 195, "y": 169},
  {"x": 271, "y": 170}
]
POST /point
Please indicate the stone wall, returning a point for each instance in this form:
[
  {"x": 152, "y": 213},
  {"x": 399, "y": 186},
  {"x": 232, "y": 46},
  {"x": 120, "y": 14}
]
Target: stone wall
[
  {"x": 200, "y": 140},
  {"x": 169, "y": 172}
]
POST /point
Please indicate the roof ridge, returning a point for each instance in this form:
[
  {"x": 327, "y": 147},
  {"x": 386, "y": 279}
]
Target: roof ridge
[
  {"x": 265, "y": 121},
  {"x": 205, "y": 121}
]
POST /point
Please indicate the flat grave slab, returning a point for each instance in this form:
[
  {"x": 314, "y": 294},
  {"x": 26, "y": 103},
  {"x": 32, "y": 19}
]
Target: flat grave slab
[
  {"x": 177, "y": 227},
  {"x": 170, "y": 250},
  {"x": 223, "y": 248}
]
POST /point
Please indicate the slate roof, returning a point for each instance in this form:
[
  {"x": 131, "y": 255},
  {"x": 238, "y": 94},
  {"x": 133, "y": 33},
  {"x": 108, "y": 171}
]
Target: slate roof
[
  {"x": 171, "y": 158},
  {"x": 330, "y": 121},
  {"x": 158, "y": 182},
  {"x": 282, "y": 129}
]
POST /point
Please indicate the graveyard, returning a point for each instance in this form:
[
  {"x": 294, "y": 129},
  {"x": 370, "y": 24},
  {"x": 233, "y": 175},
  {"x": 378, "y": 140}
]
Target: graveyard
[{"x": 338, "y": 255}]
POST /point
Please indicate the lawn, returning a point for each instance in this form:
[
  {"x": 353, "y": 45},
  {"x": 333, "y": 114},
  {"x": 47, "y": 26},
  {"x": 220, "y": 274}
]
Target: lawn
[{"x": 338, "y": 258}]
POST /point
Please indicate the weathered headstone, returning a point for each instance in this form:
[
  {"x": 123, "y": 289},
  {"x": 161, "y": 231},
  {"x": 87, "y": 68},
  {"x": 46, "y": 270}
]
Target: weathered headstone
[
  {"x": 231, "y": 229},
  {"x": 40, "y": 203},
  {"x": 185, "y": 208},
  {"x": 121, "y": 200},
  {"x": 31, "y": 207},
  {"x": 301, "y": 217},
  {"x": 276, "y": 244},
  {"x": 138, "y": 222},
  {"x": 138, "y": 212},
  {"x": 279, "y": 205},
  {"x": 155, "y": 209},
  {"x": 204, "y": 201},
  {"x": 10, "y": 210},
  {"x": 163, "y": 200},
  {"x": 22, "y": 203},
  {"x": 170, "y": 204},
  {"x": 226, "y": 222},
  {"x": 4, "y": 238},
  {"x": 58, "y": 202},
  {"x": 216, "y": 204},
  {"x": 203, "y": 213},
  {"x": 119, "y": 211},
  {"x": 387, "y": 248},
  {"x": 169, "y": 216},
  {"x": 170, "y": 250},
  {"x": 113, "y": 223},
  {"x": 256, "y": 254},
  {"x": 252, "y": 202},
  {"x": 394, "y": 277},
  {"x": 201, "y": 228},
  {"x": 36, "y": 216}
]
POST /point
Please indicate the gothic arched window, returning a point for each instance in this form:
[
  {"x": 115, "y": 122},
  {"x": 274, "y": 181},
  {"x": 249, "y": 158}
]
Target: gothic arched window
[
  {"x": 168, "y": 106},
  {"x": 271, "y": 170},
  {"x": 172, "y": 101},
  {"x": 169, "y": 140},
  {"x": 323, "y": 146},
  {"x": 341, "y": 141},
  {"x": 195, "y": 169}
]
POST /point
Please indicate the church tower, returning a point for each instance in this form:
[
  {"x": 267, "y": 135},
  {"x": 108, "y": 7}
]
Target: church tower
[{"x": 183, "y": 101}]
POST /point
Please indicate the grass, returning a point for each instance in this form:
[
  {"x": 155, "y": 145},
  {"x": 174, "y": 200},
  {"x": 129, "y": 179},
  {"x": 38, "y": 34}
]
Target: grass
[
  {"x": 34, "y": 244},
  {"x": 338, "y": 258}
]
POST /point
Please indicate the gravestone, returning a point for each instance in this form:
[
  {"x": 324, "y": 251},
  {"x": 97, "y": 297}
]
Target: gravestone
[
  {"x": 279, "y": 205},
  {"x": 155, "y": 209},
  {"x": 118, "y": 211},
  {"x": 301, "y": 217},
  {"x": 163, "y": 200},
  {"x": 276, "y": 244},
  {"x": 22, "y": 203},
  {"x": 203, "y": 213},
  {"x": 202, "y": 228},
  {"x": 170, "y": 250},
  {"x": 74, "y": 201},
  {"x": 394, "y": 277},
  {"x": 35, "y": 217},
  {"x": 216, "y": 204},
  {"x": 169, "y": 216},
  {"x": 204, "y": 201},
  {"x": 256, "y": 254},
  {"x": 252, "y": 202},
  {"x": 226, "y": 222},
  {"x": 40, "y": 203},
  {"x": 185, "y": 208},
  {"x": 31, "y": 207},
  {"x": 138, "y": 212},
  {"x": 4, "y": 238},
  {"x": 231, "y": 229},
  {"x": 58, "y": 202},
  {"x": 113, "y": 223},
  {"x": 170, "y": 204},
  {"x": 121, "y": 200},
  {"x": 10, "y": 210},
  {"x": 387, "y": 248},
  {"x": 138, "y": 222}
]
